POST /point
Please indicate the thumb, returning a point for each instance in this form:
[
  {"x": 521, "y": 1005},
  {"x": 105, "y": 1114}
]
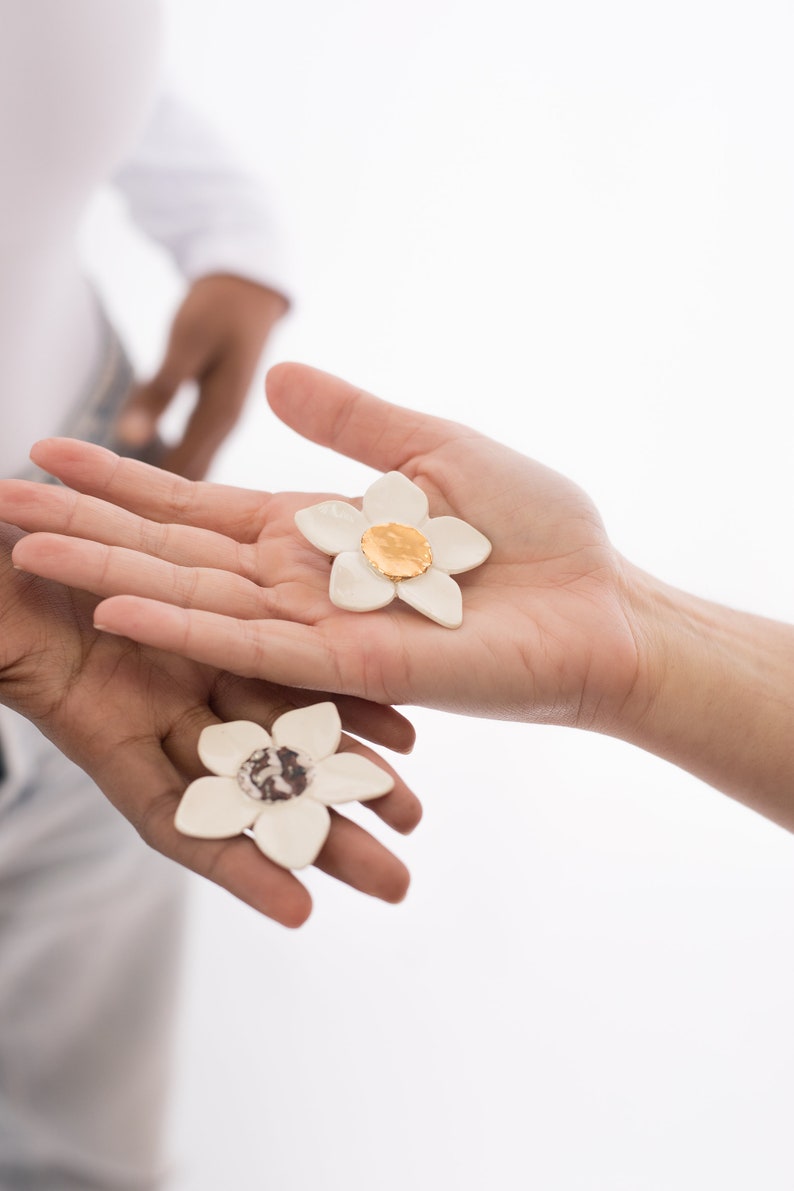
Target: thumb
[
  {"x": 333, "y": 413},
  {"x": 136, "y": 424}
]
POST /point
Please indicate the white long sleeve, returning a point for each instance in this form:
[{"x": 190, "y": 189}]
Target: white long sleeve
[{"x": 184, "y": 189}]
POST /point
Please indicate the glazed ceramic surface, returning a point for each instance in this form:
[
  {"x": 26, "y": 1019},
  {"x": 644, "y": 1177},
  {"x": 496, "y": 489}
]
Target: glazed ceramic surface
[
  {"x": 277, "y": 784},
  {"x": 393, "y": 548}
]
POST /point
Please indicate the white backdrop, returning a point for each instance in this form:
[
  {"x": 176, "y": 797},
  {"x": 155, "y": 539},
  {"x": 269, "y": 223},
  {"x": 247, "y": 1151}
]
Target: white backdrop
[{"x": 571, "y": 225}]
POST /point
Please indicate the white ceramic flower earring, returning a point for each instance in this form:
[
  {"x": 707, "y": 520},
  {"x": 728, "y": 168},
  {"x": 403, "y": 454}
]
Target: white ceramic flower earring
[
  {"x": 279, "y": 784},
  {"x": 393, "y": 548}
]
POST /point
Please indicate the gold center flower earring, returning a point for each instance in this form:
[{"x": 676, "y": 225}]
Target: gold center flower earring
[{"x": 394, "y": 548}]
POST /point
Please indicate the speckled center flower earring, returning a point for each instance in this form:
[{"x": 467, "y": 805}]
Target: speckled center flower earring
[
  {"x": 277, "y": 784},
  {"x": 393, "y": 548}
]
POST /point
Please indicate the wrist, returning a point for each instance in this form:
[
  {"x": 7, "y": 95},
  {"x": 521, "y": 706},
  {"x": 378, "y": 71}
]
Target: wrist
[
  {"x": 245, "y": 292},
  {"x": 714, "y": 694}
]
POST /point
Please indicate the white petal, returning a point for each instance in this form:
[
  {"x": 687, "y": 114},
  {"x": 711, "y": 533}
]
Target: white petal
[
  {"x": 332, "y": 526},
  {"x": 356, "y": 587},
  {"x": 215, "y": 808},
  {"x": 224, "y": 747},
  {"x": 315, "y": 730},
  {"x": 394, "y": 498},
  {"x": 435, "y": 595},
  {"x": 456, "y": 545},
  {"x": 292, "y": 833},
  {"x": 348, "y": 777}
]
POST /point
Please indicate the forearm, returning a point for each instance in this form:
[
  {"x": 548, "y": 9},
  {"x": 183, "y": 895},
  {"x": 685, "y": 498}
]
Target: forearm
[{"x": 714, "y": 695}]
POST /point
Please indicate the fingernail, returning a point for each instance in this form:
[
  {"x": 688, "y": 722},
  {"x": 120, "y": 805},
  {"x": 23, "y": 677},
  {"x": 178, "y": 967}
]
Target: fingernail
[{"x": 103, "y": 628}]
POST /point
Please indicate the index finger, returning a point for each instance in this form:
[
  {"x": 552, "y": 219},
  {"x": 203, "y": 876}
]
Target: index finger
[
  {"x": 51, "y": 509},
  {"x": 151, "y": 492}
]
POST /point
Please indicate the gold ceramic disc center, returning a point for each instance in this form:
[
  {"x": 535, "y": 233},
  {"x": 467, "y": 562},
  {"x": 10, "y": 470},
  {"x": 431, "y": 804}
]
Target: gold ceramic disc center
[{"x": 397, "y": 551}]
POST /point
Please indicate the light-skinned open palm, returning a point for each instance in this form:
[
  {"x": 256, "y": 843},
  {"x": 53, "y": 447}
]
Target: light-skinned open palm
[{"x": 222, "y": 575}]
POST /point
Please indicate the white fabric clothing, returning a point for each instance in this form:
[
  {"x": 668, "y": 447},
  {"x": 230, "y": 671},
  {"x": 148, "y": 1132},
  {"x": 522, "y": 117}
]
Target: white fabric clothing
[
  {"x": 184, "y": 189},
  {"x": 89, "y": 916},
  {"x": 80, "y": 106},
  {"x": 77, "y": 84},
  {"x": 90, "y": 927}
]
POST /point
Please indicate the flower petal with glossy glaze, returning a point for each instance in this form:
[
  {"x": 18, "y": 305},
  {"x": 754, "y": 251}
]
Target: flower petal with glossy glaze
[{"x": 224, "y": 747}]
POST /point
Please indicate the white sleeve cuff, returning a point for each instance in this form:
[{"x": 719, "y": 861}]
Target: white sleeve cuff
[{"x": 185, "y": 190}]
